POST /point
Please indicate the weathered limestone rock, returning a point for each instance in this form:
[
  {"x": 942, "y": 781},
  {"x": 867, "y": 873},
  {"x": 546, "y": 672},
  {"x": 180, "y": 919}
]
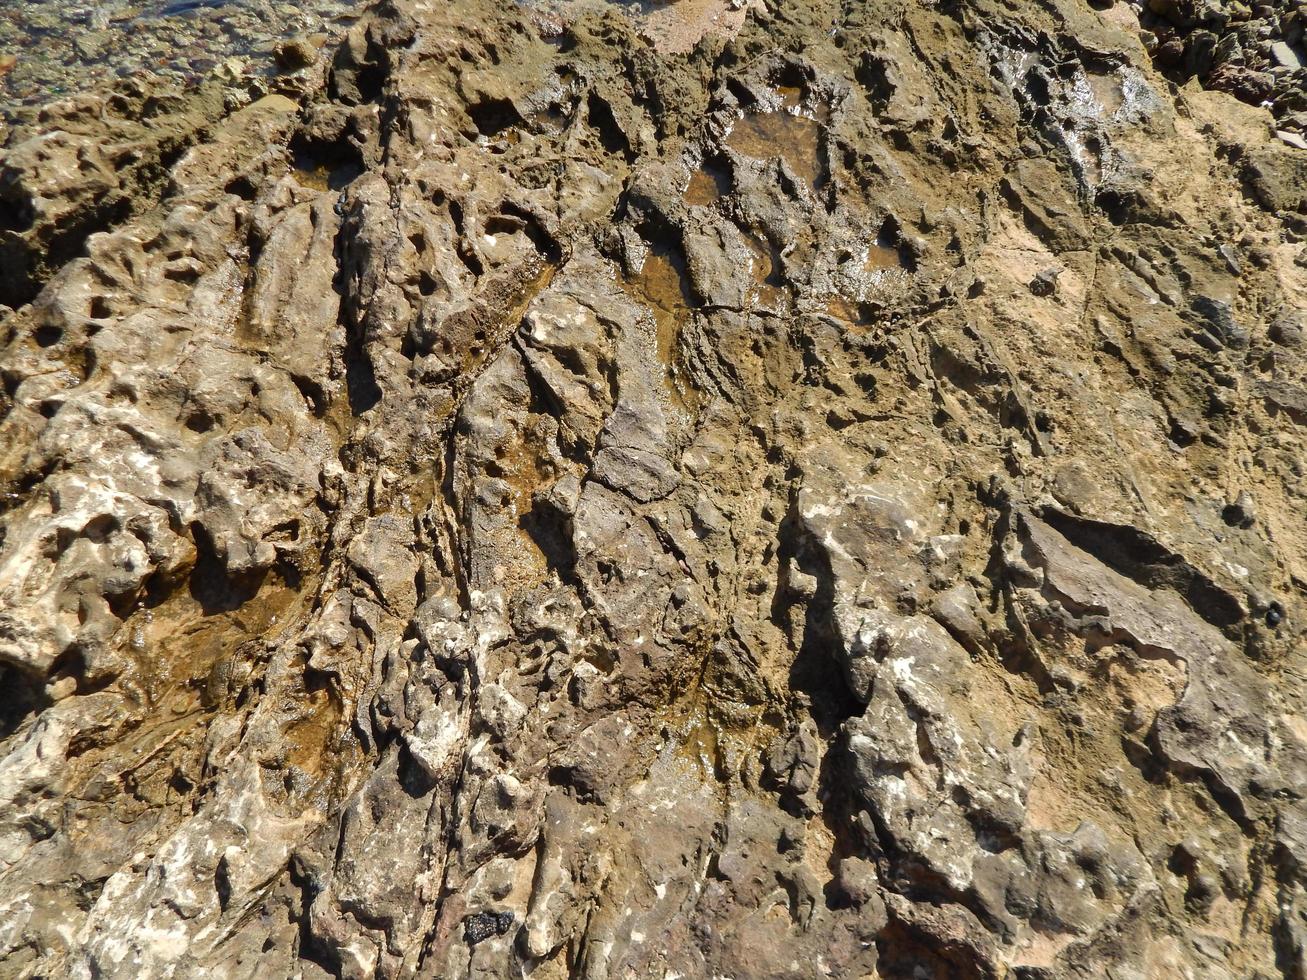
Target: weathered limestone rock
[{"x": 752, "y": 490}]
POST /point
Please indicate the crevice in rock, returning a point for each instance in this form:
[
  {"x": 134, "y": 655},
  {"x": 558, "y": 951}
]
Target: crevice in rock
[
  {"x": 1139, "y": 556},
  {"x": 24, "y": 697}
]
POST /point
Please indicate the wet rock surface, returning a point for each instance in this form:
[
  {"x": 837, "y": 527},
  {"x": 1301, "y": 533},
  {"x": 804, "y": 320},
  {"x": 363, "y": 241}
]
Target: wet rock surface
[
  {"x": 777, "y": 490},
  {"x": 52, "y": 49}
]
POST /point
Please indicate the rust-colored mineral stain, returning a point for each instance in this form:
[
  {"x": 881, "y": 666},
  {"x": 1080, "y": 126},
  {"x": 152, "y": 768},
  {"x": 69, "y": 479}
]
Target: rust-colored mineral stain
[
  {"x": 522, "y": 469},
  {"x": 843, "y": 309},
  {"x": 309, "y": 736},
  {"x": 700, "y": 740},
  {"x": 177, "y": 643},
  {"x": 711, "y": 733},
  {"x": 661, "y": 286}
]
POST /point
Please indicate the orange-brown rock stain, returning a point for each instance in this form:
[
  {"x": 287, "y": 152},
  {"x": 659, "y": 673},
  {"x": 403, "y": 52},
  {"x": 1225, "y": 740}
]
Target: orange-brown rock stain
[
  {"x": 661, "y": 286},
  {"x": 707, "y": 186}
]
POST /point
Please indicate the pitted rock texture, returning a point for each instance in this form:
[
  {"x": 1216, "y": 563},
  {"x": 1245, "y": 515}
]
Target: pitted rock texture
[{"x": 768, "y": 490}]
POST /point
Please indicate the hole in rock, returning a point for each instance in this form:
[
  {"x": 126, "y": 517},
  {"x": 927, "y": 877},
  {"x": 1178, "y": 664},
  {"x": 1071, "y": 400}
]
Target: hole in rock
[
  {"x": 47, "y": 336},
  {"x": 492, "y": 116},
  {"x": 24, "y": 696},
  {"x": 210, "y": 585},
  {"x": 324, "y": 166}
]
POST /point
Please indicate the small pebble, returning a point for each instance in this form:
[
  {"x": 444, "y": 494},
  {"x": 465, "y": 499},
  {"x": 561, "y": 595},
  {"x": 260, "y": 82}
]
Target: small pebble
[
  {"x": 480, "y": 927},
  {"x": 1045, "y": 283}
]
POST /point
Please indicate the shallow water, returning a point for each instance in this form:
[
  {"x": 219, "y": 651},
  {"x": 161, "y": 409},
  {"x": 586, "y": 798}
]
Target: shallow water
[
  {"x": 662, "y": 287},
  {"x": 53, "y": 48},
  {"x": 790, "y": 132}
]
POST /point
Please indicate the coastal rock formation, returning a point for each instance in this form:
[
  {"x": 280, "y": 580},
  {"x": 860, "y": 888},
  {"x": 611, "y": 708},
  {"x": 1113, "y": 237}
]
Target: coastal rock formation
[{"x": 770, "y": 489}]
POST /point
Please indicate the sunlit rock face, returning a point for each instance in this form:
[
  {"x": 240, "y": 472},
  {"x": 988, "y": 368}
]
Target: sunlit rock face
[{"x": 708, "y": 490}]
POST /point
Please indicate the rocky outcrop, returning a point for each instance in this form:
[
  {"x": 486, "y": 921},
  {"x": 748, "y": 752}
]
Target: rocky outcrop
[
  {"x": 751, "y": 490},
  {"x": 1253, "y": 52}
]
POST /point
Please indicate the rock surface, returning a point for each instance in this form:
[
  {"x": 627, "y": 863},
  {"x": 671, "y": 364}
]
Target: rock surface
[
  {"x": 777, "y": 489},
  {"x": 59, "y": 48}
]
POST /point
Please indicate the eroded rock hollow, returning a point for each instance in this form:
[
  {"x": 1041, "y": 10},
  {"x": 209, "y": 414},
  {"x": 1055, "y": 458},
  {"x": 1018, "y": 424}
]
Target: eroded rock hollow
[{"x": 770, "y": 489}]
